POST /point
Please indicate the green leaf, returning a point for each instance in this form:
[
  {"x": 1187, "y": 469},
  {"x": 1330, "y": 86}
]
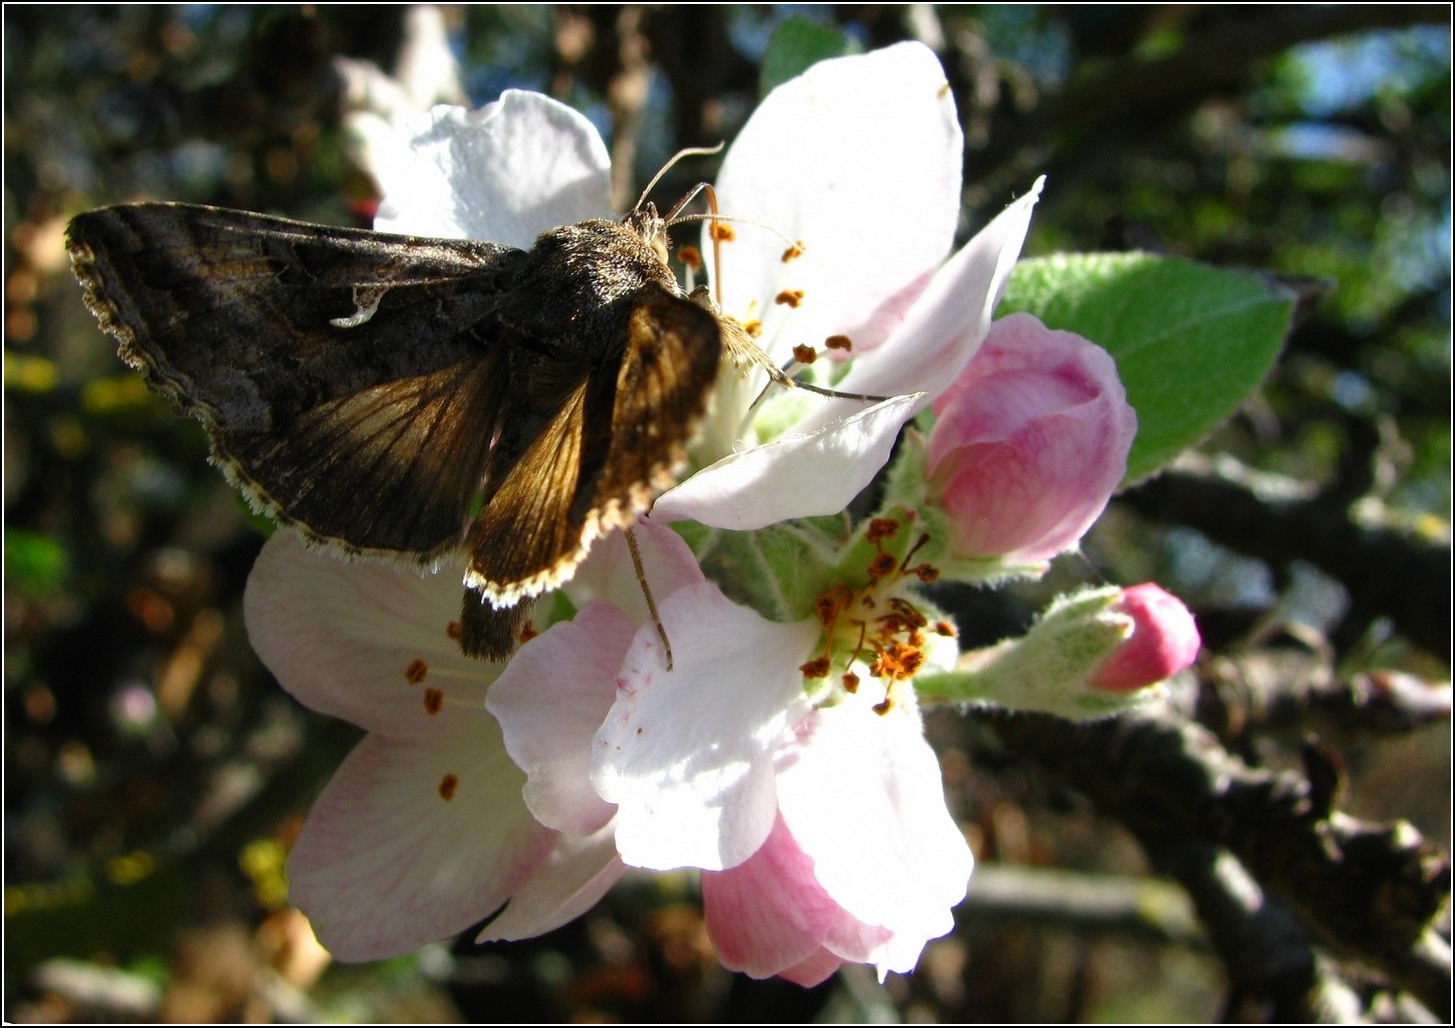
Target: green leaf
[
  {"x": 1191, "y": 342},
  {"x": 797, "y": 44}
]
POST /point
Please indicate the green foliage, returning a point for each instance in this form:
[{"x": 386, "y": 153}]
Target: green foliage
[
  {"x": 35, "y": 564},
  {"x": 1191, "y": 342},
  {"x": 797, "y": 44}
]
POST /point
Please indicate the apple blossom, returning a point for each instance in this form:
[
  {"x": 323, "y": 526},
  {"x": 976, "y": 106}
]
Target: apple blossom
[
  {"x": 814, "y": 810},
  {"x": 1028, "y": 444},
  {"x": 423, "y": 831},
  {"x": 860, "y": 159},
  {"x": 602, "y": 759},
  {"x": 1164, "y": 640}
]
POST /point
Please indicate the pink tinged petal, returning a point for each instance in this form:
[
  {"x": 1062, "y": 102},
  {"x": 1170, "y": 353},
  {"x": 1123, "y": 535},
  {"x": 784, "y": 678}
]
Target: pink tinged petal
[
  {"x": 769, "y": 915},
  {"x": 1031, "y": 441},
  {"x": 367, "y": 642},
  {"x": 861, "y": 794},
  {"x": 944, "y": 328},
  {"x": 860, "y": 158},
  {"x": 550, "y": 700},
  {"x": 610, "y": 575},
  {"x": 579, "y": 871},
  {"x": 794, "y": 476},
  {"x": 687, "y": 755},
  {"x": 387, "y": 863},
  {"x": 1163, "y": 642},
  {"x": 505, "y": 173},
  {"x": 816, "y": 970}
]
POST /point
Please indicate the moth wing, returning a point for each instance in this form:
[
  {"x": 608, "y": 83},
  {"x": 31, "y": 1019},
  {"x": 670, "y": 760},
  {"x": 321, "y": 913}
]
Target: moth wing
[
  {"x": 390, "y": 469},
  {"x": 618, "y": 435},
  {"x": 336, "y": 370}
]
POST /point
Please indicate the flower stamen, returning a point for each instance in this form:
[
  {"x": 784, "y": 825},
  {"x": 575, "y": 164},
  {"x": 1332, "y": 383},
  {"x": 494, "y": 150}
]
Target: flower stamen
[{"x": 889, "y": 630}]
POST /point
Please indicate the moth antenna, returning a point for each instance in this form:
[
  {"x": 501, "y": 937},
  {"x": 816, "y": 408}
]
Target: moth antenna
[
  {"x": 631, "y": 544},
  {"x": 691, "y": 151},
  {"x": 731, "y": 219}
]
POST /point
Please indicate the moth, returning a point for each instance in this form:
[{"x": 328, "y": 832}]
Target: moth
[{"x": 391, "y": 395}]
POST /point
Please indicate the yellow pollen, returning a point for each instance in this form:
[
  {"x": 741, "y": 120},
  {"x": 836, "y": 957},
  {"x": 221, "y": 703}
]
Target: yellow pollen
[
  {"x": 416, "y": 671},
  {"x": 804, "y": 354},
  {"x": 946, "y": 629},
  {"x": 793, "y": 252},
  {"x": 434, "y": 700},
  {"x": 448, "y": 784},
  {"x": 453, "y": 630},
  {"x": 690, "y": 256},
  {"x": 528, "y": 632},
  {"x": 722, "y": 232},
  {"x": 789, "y": 297},
  {"x": 838, "y": 343}
]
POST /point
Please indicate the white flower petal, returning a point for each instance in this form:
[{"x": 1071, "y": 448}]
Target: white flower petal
[
  {"x": 862, "y": 795},
  {"x": 579, "y": 872},
  {"x": 504, "y": 173},
  {"x": 948, "y": 321},
  {"x": 687, "y": 755},
  {"x": 610, "y": 574},
  {"x": 860, "y": 158},
  {"x": 794, "y": 476},
  {"x": 550, "y": 700},
  {"x": 364, "y": 641},
  {"x": 385, "y": 863}
]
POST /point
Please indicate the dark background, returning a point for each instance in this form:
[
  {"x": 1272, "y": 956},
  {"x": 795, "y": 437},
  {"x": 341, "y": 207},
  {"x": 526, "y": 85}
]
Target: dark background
[{"x": 154, "y": 773}]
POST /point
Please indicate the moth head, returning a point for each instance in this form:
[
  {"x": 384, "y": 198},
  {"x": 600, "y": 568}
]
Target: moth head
[{"x": 652, "y": 227}]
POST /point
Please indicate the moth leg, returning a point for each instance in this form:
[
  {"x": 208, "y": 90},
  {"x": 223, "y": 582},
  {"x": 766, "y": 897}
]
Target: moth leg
[{"x": 491, "y": 633}]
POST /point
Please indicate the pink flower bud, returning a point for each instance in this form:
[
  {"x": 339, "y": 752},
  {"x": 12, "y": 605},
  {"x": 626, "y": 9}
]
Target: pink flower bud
[
  {"x": 1030, "y": 441},
  {"x": 1164, "y": 641}
]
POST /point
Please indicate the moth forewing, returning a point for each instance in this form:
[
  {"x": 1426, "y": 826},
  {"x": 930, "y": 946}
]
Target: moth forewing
[{"x": 371, "y": 389}]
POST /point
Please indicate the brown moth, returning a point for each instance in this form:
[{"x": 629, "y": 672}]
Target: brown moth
[{"x": 392, "y": 395}]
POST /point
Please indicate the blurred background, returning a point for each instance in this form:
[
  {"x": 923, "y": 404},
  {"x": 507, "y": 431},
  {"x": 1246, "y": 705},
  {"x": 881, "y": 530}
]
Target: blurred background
[{"x": 155, "y": 774}]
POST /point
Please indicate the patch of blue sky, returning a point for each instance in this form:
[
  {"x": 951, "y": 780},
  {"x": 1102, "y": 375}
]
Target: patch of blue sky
[{"x": 1344, "y": 73}]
